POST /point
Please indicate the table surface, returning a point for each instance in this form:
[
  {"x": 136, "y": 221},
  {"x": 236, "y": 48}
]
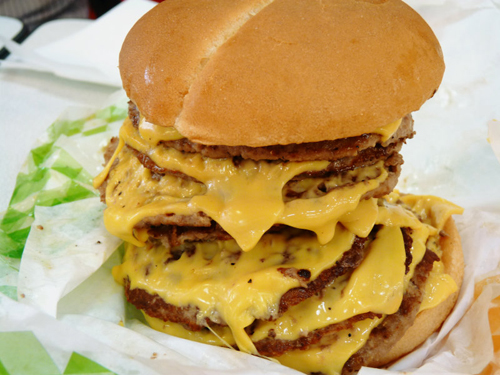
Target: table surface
[{"x": 30, "y": 101}]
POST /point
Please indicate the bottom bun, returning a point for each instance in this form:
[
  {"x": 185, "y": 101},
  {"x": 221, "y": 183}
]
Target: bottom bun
[{"x": 429, "y": 321}]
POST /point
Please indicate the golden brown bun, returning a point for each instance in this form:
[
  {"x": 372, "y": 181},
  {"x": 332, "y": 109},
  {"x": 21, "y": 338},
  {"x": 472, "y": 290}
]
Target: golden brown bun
[
  {"x": 429, "y": 321},
  {"x": 263, "y": 72}
]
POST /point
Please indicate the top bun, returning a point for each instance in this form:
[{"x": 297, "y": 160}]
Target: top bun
[{"x": 264, "y": 72}]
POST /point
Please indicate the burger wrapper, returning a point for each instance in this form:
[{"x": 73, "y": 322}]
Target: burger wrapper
[
  {"x": 60, "y": 301},
  {"x": 62, "y": 313}
]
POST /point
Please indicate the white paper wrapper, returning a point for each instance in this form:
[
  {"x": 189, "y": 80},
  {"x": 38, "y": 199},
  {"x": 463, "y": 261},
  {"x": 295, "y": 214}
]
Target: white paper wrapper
[
  {"x": 63, "y": 250},
  {"x": 68, "y": 300},
  {"x": 121, "y": 350},
  {"x": 90, "y": 55}
]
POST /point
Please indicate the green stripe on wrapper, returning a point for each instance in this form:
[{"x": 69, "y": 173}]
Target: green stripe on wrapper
[
  {"x": 112, "y": 113},
  {"x": 22, "y": 353},
  {"x": 41, "y": 153},
  {"x": 9, "y": 291},
  {"x": 3, "y": 370},
  {"x": 79, "y": 364},
  {"x": 13, "y": 220},
  {"x": 98, "y": 130},
  {"x": 70, "y": 191},
  {"x": 65, "y": 127},
  {"x": 29, "y": 184},
  {"x": 12, "y": 244},
  {"x": 68, "y": 166},
  {"x": 59, "y": 169},
  {"x": 53, "y": 172}
]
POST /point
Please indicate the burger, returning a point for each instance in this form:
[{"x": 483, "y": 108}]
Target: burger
[{"x": 253, "y": 180}]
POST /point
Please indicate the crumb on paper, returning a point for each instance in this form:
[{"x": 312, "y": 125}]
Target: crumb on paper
[
  {"x": 39, "y": 227},
  {"x": 154, "y": 356}
]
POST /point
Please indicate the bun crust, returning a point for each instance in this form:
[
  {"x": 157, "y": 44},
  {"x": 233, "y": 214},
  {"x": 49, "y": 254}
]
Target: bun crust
[
  {"x": 264, "y": 72},
  {"x": 429, "y": 321}
]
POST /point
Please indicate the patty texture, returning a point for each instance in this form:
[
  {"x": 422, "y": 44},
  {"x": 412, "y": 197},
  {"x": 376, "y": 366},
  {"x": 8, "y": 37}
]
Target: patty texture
[
  {"x": 381, "y": 339},
  {"x": 346, "y": 157},
  {"x": 186, "y": 315},
  {"x": 325, "y": 150}
]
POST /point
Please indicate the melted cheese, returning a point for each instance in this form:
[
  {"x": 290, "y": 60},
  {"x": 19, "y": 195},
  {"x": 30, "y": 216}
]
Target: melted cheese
[
  {"x": 387, "y": 131},
  {"x": 321, "y": 215},
  {"x": 433, "y": 211},
  {"x": 361, "y": 220},
  {"x": 438, "y": 287},
  {"x": 226, "y": 284},
  {"x": 218, "y": 336},
  {"x": 232, "y": 285},
  {"x": 370, "y": 288},
  {"x": 246, "y": 200},
  {"x": 99, "y": 180},
  {"x": 154, "y": 134},
  {"x": 330, "y": 360},
  {"x": 391, "y": 215},
  {"x": 310, "y": 187}
]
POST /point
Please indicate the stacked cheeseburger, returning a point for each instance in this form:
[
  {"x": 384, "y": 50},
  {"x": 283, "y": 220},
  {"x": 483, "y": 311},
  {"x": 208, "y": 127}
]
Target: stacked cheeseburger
[{"x": 253, "y": 180}]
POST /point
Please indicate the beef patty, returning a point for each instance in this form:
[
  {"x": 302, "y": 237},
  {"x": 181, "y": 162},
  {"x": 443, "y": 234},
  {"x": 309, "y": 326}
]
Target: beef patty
[
  {"x": 154, "y": 306},
  {"x": 345, "y": 156},
  {"x": 325, "y": 150},
  {"x": 386, "y": 334}
]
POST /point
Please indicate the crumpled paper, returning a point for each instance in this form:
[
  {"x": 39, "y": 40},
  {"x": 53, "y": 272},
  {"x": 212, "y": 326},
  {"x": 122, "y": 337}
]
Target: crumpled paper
[
  {"x": 452, "y": 155},
  {"x": 67, "y": 244},
  {"x": 90, "y": 55},
  {"x": 96, "y": 306},
  {"x": 64, "y": 277}
]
